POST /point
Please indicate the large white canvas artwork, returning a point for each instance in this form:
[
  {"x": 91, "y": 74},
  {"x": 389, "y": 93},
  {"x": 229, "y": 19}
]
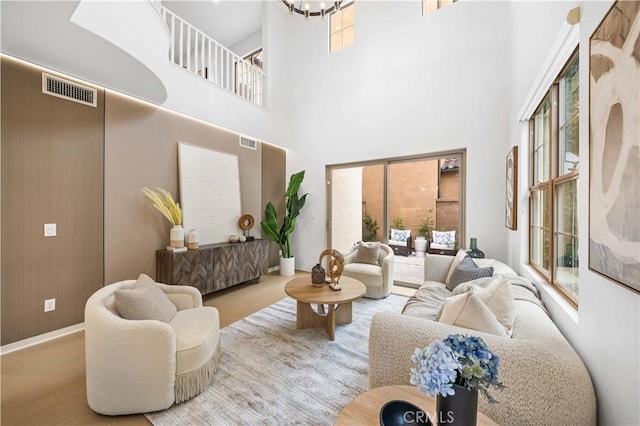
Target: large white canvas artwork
[
  {"x": 209, "y": 192},
  {"x": 614, "y": 103}
]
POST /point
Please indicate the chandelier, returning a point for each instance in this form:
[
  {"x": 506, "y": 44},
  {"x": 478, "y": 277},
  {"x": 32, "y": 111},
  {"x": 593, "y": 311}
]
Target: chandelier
[{"x": 305, "y": 10}]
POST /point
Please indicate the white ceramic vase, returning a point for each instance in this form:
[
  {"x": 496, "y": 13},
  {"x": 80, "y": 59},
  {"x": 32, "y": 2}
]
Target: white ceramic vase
[
  {"x": 192, "y": 239},
  {"x": 176, "y": 236},
  {"x": 287, "y": 266}
]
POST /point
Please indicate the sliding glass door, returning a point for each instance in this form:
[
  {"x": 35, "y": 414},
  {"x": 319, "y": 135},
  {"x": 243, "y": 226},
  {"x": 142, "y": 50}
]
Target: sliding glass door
[{"x": 422, "y": 193}]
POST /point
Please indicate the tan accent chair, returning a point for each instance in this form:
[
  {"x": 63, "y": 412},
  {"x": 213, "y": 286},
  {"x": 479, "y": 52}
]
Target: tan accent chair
[
  {"x": 147, "y": 365},
  {"x": 378, "y": 279}
]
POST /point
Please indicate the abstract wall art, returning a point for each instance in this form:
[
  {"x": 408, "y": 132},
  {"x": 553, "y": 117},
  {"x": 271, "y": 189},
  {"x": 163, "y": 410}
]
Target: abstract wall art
[{"x": 614, "y": 121}]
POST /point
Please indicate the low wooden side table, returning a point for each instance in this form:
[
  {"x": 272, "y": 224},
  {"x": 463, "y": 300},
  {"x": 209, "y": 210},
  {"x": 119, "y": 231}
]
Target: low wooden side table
[{"x": 365, "y": 408}]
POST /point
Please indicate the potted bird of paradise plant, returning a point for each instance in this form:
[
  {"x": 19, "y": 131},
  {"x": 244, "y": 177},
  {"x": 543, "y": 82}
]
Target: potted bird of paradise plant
[{"x": 281, "y": 233}]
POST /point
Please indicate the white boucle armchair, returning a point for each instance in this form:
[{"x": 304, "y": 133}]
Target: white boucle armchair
[
  {"x": 139, "y": 366},
  {"x": 378, "y": 279}
]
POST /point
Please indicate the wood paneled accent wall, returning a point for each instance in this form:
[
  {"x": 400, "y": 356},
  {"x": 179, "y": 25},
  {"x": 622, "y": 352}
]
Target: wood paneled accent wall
[
  {"x": 83, "y": 168},
  {"x": 141, "y": 150},
  {"x": 52, "y": 172}
]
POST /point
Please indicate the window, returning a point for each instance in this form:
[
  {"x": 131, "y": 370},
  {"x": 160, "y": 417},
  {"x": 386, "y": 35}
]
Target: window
[
  {"x": 342, "y": 28},
  {"x": 429, "y": 6},
  {"x": 553, "y": 202}
]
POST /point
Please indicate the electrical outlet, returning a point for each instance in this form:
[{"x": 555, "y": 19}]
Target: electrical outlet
[
  {"x": 50, "y": 230},
  {"x": 50, "y": 305}
]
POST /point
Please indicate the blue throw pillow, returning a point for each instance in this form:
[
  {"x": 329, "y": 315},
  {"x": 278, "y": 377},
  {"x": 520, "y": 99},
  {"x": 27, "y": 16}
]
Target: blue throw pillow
[{"x": 467, "y": 270}]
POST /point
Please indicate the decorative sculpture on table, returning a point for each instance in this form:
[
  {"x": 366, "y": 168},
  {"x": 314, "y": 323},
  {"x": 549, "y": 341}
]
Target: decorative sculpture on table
[
  {"x": 245, "y": 223},
  {"x": 335, "y": 265}
]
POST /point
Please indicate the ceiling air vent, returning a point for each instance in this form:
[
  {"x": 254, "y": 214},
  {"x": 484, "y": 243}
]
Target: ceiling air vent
[
  {"x": 248, "y": 143},
  {"x": 69, "y": 90}
]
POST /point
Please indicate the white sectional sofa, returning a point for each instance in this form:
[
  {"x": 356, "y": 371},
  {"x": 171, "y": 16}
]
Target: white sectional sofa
[{"x": 546, "y": 381}]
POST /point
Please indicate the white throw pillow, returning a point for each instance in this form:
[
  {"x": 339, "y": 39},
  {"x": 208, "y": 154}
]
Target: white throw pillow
[
  {"x": 468, "y": 311},
  {"x": 447, "y": 239},
  {"x": 400, "y": 234},
  {"x": 499, "y": 298},
  {"x": 496, "y": 293}
]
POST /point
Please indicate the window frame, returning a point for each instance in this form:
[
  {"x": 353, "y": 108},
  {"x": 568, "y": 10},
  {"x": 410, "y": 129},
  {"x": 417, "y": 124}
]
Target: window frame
[
  {"x": 430, "y": 6},
  {"x": 342, "y": 28},
  {"x": 555, "y": 179}
]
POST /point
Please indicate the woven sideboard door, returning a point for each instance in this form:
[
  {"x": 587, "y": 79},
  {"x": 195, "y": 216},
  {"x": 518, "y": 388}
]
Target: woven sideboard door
[{"x": 214, "y": 267}]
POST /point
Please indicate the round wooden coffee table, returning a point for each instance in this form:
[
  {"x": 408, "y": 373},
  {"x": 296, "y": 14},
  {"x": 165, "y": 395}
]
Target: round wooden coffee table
[
  {"x": 365, "y": 408},
  {"x": 338, "y": 309}
]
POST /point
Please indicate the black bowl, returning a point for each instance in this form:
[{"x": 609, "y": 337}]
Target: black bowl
[{"x": 403, "y": 413}]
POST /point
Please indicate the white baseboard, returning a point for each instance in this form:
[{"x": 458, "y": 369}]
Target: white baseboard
[
  {"x": 273, "y": 269},
  {"x": 36, "y": 340}
]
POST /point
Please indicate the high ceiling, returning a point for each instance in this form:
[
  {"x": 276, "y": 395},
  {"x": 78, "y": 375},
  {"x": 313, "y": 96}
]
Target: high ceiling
[{"x": 226, "y": 21}]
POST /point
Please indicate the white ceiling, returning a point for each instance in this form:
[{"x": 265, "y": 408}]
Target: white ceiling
[
  {"x": 226, "y": 21},
  {"x": 42, "y": 32}
]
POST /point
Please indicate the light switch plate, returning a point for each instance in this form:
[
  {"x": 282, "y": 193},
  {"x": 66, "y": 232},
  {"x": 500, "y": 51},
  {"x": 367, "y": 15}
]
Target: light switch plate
[
  {"x": 50, "y": 305},
  {"x": 50, "y": 230}
]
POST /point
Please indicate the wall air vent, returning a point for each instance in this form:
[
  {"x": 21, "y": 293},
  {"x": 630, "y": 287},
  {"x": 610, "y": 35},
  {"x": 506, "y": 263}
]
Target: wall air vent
[
  {"x": 69, "y": 90},
  {"x": 248, "y": 143}
]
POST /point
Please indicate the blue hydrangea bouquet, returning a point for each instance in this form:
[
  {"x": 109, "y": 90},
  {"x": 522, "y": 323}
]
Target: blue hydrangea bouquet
[{"x": 458, "y": 359}]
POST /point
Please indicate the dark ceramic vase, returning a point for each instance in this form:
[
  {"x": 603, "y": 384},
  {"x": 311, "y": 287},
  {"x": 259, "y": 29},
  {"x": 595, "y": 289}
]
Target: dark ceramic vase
[
  {"x": 317, "y": 274},
  {"x": 460, "y": 409},
  {"x": 474, "y": 251}
]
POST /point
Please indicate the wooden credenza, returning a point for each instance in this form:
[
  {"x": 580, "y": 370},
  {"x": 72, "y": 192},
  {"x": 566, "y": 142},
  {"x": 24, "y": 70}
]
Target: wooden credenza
[{"x": 214, "y": 267}]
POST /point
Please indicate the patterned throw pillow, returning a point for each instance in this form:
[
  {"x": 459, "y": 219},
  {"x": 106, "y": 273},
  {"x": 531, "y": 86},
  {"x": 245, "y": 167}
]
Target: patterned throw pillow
[
  {"x": 444, "y": 238},
  {"x": 400, "y": 234},
  {"x": 467, "y": 270}
]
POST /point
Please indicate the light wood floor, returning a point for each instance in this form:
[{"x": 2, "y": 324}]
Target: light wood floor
[{"x": 45, "y": 384}]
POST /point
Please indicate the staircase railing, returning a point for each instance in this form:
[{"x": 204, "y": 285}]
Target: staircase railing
[{"x": 196, "y": 52}]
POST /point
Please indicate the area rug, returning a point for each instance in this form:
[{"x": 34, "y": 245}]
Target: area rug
[
  {"x": 272, "y": 374},
  {"x": 408, "y": 270}
]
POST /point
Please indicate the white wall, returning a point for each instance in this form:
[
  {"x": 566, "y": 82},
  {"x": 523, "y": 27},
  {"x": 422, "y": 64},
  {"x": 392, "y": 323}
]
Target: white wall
[
  {"x": 190, "y": 95},
  {"x": 413, "y": 84},
  {"x": 605, "y": 329},
  {"x": 346, "y": 215},
  {"x": 410, "y": 84},
  {"x": 247, "y": 45}
]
